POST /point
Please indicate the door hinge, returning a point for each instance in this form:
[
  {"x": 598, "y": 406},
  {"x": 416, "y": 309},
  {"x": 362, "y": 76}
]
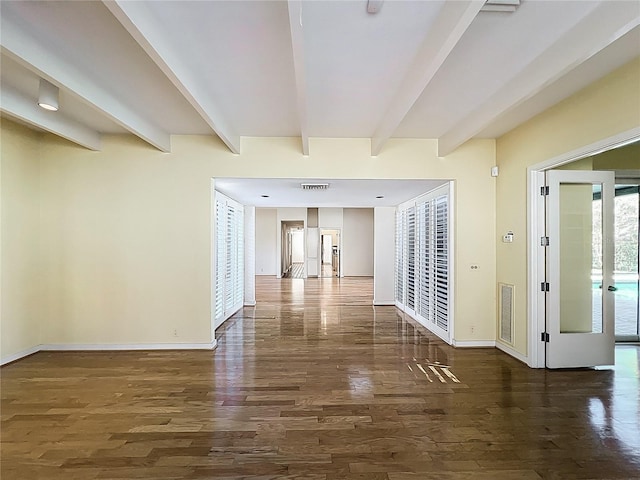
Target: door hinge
[
  {"x": 544, "y": 190},
  {"x": 544, "y": 286},
  {"x": 544, "y": 337},
  {"x": 544, "y": 241}
]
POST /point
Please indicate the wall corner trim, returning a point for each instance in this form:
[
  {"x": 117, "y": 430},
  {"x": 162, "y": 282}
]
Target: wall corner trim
[{"x": 18, "y": 355}]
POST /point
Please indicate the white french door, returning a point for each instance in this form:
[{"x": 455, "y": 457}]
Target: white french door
[{"x": 579, "y": 266}]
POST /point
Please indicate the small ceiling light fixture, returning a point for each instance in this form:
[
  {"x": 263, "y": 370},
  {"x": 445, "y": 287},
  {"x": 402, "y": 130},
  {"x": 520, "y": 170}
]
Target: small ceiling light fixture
[
  {"x": 48, "y": 96},
  {"x": 374, "y": 6},
  {"x": 264, "y": 196},
  {"x": 508, "y": 6},
  {"x": 380, "y": 196}
]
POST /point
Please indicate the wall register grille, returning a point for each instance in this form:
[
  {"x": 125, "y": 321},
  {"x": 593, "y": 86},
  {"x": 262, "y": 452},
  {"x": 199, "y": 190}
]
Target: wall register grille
[{"x": 506, "y": 312}]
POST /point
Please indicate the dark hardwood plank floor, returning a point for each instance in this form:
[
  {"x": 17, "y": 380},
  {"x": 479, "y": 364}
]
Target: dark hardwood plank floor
[{"x": 314, "y": 383}]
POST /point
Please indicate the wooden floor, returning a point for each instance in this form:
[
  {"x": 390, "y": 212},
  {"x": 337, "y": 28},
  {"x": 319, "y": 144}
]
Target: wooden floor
[{"x": 314, "y": 383}]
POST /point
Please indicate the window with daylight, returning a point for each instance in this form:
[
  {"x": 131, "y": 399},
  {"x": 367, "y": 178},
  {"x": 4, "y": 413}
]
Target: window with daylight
[
  {"x": 423, "y": 253},
  {"x": 229, "y": 257}
]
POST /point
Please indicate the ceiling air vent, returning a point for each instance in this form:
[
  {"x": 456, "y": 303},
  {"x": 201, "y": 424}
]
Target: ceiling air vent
[
  {"x": 508, "y": 6},
  {"x": 314, "y": 186}
]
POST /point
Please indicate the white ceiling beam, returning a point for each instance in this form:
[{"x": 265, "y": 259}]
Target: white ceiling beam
[
  {"x": 447, "y": 30},
  {"x": 17, "y": 105},
  {"x": 297, "y": 44},
  {"x": 136, "y": 19},
  {"x": 596, "y": 31},
  {"x": 34, "y": 55}
]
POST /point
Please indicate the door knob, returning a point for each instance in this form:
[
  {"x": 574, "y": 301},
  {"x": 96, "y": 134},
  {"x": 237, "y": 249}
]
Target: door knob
[{"x": 611, "y": 288}]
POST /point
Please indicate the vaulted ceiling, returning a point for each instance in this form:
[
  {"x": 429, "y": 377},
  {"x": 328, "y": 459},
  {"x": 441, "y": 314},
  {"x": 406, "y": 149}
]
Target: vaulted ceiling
[{"x": 448, "y": 70}]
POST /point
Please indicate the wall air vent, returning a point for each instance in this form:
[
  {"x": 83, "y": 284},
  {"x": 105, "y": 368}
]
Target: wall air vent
[
  {"x": 507, "y": 6},
  {"x": 505, "y": 310},
  {"x": 314, "y": 186}
]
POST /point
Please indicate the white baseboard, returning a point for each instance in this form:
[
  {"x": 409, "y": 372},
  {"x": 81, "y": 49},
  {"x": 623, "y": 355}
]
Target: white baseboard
[
  {"x": 381, "y": 303},
  {"x": 53, "y": 347},
  {"x": 250, "y": 304},
  {"x": 70, "y": 347},
  {"x": 18, "y": 355},
  {"x": 511, "y": 351},
  {"x": 474, "y": 343}
]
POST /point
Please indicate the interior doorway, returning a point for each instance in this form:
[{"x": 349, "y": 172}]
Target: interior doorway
[
  {"x": 536, "y": 244},
  {"x": 330, "y": 253},
  {"x": 293, "y": 250}
]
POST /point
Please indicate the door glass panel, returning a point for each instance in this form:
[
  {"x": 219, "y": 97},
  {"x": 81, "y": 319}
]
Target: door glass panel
[
  {"x": 627, "y": 216},
  {"x": 580, "y": 258}
]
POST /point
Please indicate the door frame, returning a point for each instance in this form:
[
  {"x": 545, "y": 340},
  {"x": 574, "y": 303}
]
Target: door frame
[
  {"x": 536, "y": 321},
  {"x": 283, "y": 226},
  {"x": 339, "y": 233}
]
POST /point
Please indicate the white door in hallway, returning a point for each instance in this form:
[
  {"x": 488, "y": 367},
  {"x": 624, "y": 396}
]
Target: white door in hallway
[{"x": 579, "y": 265}]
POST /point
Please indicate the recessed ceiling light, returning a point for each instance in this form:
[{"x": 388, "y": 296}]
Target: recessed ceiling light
[
  {"x": 374, "y": 6},
  {"x": 264, "y": 196},
  {"x": 48, "y": 96},
  {"x": 380, "y": 196}
]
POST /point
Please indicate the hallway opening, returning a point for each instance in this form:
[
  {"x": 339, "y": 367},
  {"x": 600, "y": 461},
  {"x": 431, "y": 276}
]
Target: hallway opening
[{"x": 293, "y": 249}]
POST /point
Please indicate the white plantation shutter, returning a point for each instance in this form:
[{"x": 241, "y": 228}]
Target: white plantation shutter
[
  {"x": 423, "y": 269},
  {"x": 229, "y": 258},
  {"x": 220, "y": 253},
  {"x": 400, "y": 256},
  {"x": 411, "y": 258},
  {"x": 425, "y": 254},
  {"x": 238, "y": 280},
  {"x": 442, "y": 261}
]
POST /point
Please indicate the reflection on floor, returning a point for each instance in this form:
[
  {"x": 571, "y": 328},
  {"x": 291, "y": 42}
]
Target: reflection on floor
[{"x": 315, "y": 383}]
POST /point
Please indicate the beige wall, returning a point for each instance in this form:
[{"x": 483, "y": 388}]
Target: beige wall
[
  {"x": 357, "y": 242},
  {"x": 127, "y": 257},
  {"x": 602, "y": 110},
  {"x": 624, "y": 158},
  {"x": 266, "y": 241},
  {"x": 20, "y": 313}
]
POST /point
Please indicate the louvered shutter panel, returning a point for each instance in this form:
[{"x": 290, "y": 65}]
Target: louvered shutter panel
[
  {"x": 442, "y": 262},
  {"x": 399, "y": 257},
  {"x": 411, "y": 257},
  {"x": 230, "y": 259},
  {"x": 220, "y": 260},
  {"x": 424, "y": 215},
  {"x": 238, "y": 284}
]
